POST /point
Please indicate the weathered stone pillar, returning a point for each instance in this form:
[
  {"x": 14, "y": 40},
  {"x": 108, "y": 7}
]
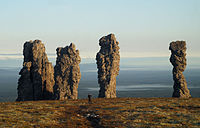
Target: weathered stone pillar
[
  {"x": 37, "y": 75},
  {"x": 178, "y": 60},
  {"x": 67, "y": 73},
  {"x": 108, "y": 59}
]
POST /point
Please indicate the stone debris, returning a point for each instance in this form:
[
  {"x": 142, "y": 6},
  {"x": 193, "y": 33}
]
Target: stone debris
[
  {"x": 94, "y": 119},
  {"x": 108, "y": 59},
  {"x": 178, "y": 60}
]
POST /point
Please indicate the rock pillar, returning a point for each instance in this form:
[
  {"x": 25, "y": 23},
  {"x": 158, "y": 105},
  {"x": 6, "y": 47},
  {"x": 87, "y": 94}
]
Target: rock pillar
[
  {"x": 178, "y": 60},
  {"x": 37, "y": 75},
  {"x": 108, "y": 59},
  {"x": 67, "y": 73}
]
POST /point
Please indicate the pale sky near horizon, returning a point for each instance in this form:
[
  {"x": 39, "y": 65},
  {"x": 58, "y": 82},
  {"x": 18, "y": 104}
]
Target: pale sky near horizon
[{"x": 144, "y": 28}]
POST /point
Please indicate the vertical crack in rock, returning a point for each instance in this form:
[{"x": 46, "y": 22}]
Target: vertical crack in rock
[
  {"x": 67, "y": 73},
  {"x": 37, "y": 75},
  {"x": 178, "y": 60},
  {"x": 108, "y": 59}
]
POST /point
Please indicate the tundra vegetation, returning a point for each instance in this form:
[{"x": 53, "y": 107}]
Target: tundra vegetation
[{"x": 102, "y": 112}]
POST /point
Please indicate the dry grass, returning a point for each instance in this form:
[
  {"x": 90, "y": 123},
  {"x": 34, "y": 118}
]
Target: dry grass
[{"x": 119, "y": 112}]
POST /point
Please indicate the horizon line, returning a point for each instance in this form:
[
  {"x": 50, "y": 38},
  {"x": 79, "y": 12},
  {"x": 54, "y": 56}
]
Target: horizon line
[{"x": 52, "y": 55}]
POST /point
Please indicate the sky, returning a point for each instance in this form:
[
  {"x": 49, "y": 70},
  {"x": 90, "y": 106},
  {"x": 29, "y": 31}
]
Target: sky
[{"x": 144, "y": 28}]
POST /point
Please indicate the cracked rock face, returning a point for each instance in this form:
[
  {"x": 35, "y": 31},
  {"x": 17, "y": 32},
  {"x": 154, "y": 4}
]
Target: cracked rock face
[
  {"x": 178, "y": 60},
  {"x": 37, "y": 75},
  {"x": 108, "y": 59},
  {"x": 67, "y": 73}
]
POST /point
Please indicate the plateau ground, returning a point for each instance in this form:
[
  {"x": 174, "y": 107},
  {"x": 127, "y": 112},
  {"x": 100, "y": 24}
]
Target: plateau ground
[{"x": 117, "y": 112}]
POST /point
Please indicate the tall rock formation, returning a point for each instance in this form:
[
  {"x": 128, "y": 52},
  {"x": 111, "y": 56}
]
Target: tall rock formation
[
  {"x": 178, "y": 60},
  {"x": 67, "y": 73},
  {"x": 108, "y": 59},
  {"x": 37, "y": 75}
]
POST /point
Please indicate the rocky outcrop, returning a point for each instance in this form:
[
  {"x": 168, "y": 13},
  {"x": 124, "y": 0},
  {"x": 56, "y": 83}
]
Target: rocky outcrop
[
  {"x": 178, "y": 60},
  {"x": 37, "y": 75},
  {"x": 108, "y": 59},
  {"x": 67, "y": 73}
]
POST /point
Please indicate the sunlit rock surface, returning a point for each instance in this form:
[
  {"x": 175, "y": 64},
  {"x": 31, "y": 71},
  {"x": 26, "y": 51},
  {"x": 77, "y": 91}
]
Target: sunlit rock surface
[
  {"x": 37, "y": 75},
  {"x": 67, "y": 73},
  {"x": 178, "y": 60},
  {"x": 108, "y": 59}
]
